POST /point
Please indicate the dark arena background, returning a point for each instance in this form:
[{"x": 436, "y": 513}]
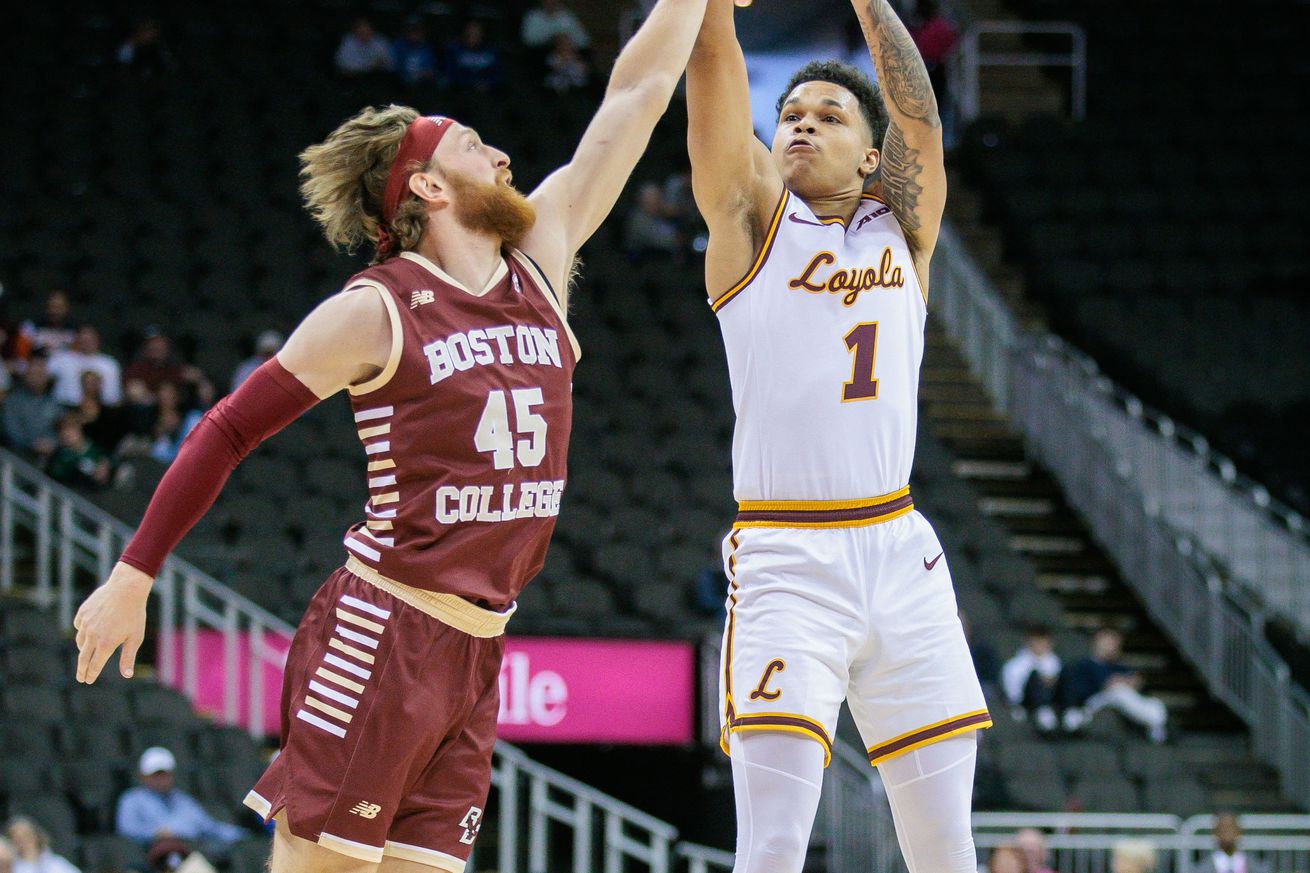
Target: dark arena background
[{"x": 1112, "y": 422}]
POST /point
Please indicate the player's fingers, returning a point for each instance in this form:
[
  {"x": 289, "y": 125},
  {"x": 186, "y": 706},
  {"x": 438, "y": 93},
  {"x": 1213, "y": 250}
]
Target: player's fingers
[
  {"x": 85, "y": 652},
  {"x": 102, "y": 654},
  {"x": 127, "y": 659}
]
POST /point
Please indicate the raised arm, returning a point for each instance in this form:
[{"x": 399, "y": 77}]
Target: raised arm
[
  {"x": 577, "y": 197},
  {"x": 719, "y": 127},
  {"x": 347, "y": 340},
  {"x": 733, "y": 178},
  {"x": 913, "y": 160}
]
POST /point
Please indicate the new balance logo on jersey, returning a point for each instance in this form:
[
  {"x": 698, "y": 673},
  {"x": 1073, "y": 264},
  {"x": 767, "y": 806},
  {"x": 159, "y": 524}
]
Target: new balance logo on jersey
[
  {"x": 506, "y": 344},
  {"x": 880, "y": 211},
  {"x": 366, "y": 810},
  {"x": 850, "y": 283},
  {"x": 418, "y": 298},
  {"x": 471, "y": 824}
]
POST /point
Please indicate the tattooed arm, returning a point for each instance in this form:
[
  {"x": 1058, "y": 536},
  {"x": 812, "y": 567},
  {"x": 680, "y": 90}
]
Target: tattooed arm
[{"x": 913, "y": 161}]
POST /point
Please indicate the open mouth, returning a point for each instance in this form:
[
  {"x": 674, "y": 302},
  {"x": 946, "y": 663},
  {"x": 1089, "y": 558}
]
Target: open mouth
[{"x": 801, "y": 145}]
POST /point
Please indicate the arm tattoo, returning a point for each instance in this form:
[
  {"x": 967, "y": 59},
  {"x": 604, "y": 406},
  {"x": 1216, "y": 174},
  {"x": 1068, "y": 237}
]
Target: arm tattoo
[
  {"x": 900, "y": 178},
  {"x": 901, "y": 71}
]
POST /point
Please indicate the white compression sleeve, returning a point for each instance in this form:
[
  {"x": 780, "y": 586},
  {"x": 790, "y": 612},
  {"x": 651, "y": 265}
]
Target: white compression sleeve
[
  {"x": 931, "y": 795},
  {"x": 777, "y": 778}
]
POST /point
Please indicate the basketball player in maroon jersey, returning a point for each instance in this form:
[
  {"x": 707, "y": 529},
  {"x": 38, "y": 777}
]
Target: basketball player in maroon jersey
[{"x": 456, "y": 352}]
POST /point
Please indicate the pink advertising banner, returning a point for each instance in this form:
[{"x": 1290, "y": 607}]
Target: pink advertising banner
[{"x": 552, "y": 690}]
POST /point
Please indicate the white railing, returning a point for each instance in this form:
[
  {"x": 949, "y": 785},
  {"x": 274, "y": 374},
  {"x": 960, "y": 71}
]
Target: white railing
[
  {"x": 1065, "y": 425},
  {"x": 1261, "y": 544},
  {"x": 1068, "y": 427},
  {"x": 1084, "y": 842},
  {"x": 74, "y": 546},
  {"x": 1180, "y": 587},
  {"x": 971, "y": 57}
]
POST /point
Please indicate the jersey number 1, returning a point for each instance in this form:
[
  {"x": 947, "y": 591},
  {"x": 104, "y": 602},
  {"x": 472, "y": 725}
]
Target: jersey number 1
[
  {"x": 862, "y": 343},
  {"x": 495, "y": 435}
]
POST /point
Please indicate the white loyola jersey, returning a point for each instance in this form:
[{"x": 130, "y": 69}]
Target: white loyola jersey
[{"x": 824, "y": 337}]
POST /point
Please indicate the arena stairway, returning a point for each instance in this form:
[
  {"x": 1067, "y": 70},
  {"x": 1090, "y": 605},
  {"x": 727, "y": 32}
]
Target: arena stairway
[{"x": 1026, "y": 507}]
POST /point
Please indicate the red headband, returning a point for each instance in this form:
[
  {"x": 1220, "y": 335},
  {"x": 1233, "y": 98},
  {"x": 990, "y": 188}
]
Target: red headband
[{"x": 421, "y": 139}]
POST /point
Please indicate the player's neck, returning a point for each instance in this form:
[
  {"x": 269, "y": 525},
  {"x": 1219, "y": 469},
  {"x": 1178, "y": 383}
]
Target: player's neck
[
  {"x": 469, "y": 257},
  {"x": 843, "y": 203}
]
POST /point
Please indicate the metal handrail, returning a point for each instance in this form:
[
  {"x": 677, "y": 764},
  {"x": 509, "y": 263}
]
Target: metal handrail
[
  {"x": 72, "y": 534},
  {"x": 703, "y": 859},
  {"x": 970, "y": 58},
  {"x": 1068, "y": 427}
]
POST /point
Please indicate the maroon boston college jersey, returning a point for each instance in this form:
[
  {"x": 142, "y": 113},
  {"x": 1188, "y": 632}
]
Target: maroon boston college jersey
[{"x": 466, "y": 429}]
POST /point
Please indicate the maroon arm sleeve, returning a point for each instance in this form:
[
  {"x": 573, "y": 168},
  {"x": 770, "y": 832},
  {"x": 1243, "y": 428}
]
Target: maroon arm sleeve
[{"x": 265, "y": 403}]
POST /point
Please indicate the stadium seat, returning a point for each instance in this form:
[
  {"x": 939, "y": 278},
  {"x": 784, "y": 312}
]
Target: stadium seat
[
  {"x": 110, "y": 853},
  {"x": 39, "y": 704}
]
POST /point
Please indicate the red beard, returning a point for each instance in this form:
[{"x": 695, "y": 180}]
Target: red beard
[{"x": 495, "y": 209}]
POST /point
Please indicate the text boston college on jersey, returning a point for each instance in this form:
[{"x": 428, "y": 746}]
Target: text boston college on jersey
[{"x": 506, "y": 344}]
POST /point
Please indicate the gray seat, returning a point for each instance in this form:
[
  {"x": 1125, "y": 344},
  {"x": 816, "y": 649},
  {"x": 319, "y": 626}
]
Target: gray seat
[
  {"x": 1038, "y": 794},
  {"x": 1106, "y": 793},
  {"x": 1089, "y": 760},
  {"x": 1035, "y": 759}
]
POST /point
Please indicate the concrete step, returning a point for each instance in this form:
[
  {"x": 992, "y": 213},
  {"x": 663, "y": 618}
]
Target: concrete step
[
  {"x": 1042, "y": 544},
  {"x": 989, "y": 472},
  {"x": 1005, "y": 508},
  {"x": 1073, "y": 584},
  {"x": 964, "y": 411}
]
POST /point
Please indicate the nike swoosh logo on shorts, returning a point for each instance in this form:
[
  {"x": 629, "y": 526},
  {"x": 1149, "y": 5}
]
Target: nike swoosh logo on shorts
[
  {"x": 928, "y": 565},
  {"x": 792, "y": 216}
]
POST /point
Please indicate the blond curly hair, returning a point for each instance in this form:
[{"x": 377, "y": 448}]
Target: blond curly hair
[{"x": 344, "y": 178}]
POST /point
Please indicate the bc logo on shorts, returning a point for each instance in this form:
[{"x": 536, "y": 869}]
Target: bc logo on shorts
[{"x": 471, "y": 823}]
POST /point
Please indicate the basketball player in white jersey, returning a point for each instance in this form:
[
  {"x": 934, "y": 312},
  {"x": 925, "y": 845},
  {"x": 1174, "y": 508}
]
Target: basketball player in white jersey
[{"x": 817, "y": 269}]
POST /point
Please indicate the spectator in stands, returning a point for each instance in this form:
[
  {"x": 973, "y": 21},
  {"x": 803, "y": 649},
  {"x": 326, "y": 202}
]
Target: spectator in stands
[
  {"x": 103, "y": 425},
  {"x": 155, "y": 365},
  {"x": 1006, "y": 859},
  {"x": 1227, "y": 857},
  {"x": 649, "y": 233},
  {"x": 31, "y": 849},
  {"x": 145, "y": 53},
  {"x": 1132, "y": 856},
  {"x": 54, "y": 330},
  {"x": 985, "y": 662},
  {"x": 936, "y": 37},
  {"x": 6, "y": 856},
  {"x": 472, "y": 64},
  {"x": 177, "y": 417},
  {"x": 1103, "y": 680},
  {"x": 549, "y": 20},
  {"x": 363, "y": 51},
  {"x": 158, "y": 812},
  {"x": 68, "y": 365},
  {"x": 266, "y": 346},
  {"x": 1032, "y": 843},
  {"x": 412, "y": 54},
  {"x": 1031, "y": 679},
  {"x": 566, "y": 70},
  {"x": 30, "y": 414},
  {"x": 77, "y": 460}
]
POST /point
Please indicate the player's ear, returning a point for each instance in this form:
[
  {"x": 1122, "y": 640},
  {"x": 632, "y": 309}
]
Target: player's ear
[
  {"x": 868, "y": 166},
  {"x": 427, "y": 187}
]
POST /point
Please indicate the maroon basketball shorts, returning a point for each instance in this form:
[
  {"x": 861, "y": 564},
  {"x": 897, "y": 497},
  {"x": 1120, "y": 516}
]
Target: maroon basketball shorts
[{"x": 389, "y": 705}]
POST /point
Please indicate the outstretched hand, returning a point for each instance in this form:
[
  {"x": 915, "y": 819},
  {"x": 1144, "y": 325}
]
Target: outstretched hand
[{"x": 114, "y": 615}]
